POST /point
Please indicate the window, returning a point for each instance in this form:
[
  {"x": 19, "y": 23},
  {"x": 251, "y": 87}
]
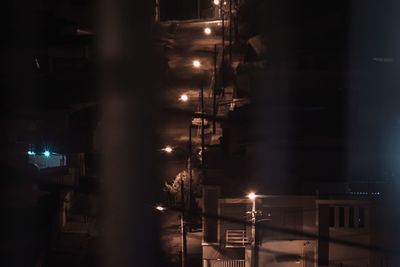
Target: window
[
  {"x": 361, "y": 219},
  {"x": 351, "y": 217},
  {"x": 331, "y": 217},
  {"x": 341, "y": 217}
]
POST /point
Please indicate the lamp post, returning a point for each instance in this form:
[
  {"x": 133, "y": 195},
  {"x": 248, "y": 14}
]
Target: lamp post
[
  {"x": 215, "y": 90},
  {"x": 188, "y": 154},
  {"x": 230, "y": 31},
  {"x": 252, "y": 196},
  {"x": 221, "y": 11},
  {"x": 197, "y": 64},
  {"x": 183, "y": 233},
  {"x": 183, "y": 228}
]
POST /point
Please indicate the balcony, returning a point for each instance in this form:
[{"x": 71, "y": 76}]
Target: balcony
[
  {"x": 223, "y": 263},
  {"x": 236, "y": 238}
]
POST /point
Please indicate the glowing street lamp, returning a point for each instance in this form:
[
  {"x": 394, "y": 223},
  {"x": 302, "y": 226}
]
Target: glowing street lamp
[
  {"x": 216, "y": 2},
  {"x": 207, "y": 31},
  {"x": 184, "y": 98},
  {"x": 196, "y": 63},
  {"x": 31, "y": 153},
  {"x": 252, "y": 196},
  {"x": 160, "y": 208},
  {"x": 183, "y": 234},
  {"x": 46, "y": 153},
  {"x": 168, "y": 149}
]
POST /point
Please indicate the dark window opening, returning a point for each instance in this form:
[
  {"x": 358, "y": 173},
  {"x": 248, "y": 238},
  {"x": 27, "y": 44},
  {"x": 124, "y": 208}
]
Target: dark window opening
[
  {"x": 341, "y": 217},
  {"x": 332, "y": 217},
  {"x": 361, "y": 219},
  {"x": 351, "y": 217}
]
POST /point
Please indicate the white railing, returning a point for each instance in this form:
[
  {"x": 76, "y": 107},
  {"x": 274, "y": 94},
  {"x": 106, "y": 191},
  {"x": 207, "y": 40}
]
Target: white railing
[
  {"x": 236, "y": 238},
  {"x": 223, "y": 263}
]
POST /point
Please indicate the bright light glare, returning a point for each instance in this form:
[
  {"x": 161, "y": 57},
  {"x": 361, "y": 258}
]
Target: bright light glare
[
  {"x": 47, "y": 153},
  {"x": 160, "y": 208},
  {"x": 216, "y": 2},
  {"x": 252, "y": 196},
  {"x": 184, "y": 98},
  {"x": 207, "y": 31},
  {"x": 31, "y": 153},
  {"x": 168, "y": 149},
  {"x": 196, "y": 64}
]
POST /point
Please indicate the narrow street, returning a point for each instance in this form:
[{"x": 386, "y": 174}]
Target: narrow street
[
  {"x": 183, "y": 43},
  {"x": 171, "y": 241}
]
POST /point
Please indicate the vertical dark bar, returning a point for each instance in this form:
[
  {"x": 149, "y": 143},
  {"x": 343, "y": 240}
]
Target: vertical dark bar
[
  {"x": 198, "y": 9},
  {"x": 190, "y": 169},
  {"x": 210, "y": 214},
  {"x": 230, "y": 30},
  {"x": 215, "y": 90},
  {"x": 236, "y": 23},
  {"x": 130, "y": 184},
  {"x": 202, "y": 128},
  {"x": 223, "y": 48},
  {"x": 183, "y": 227},
  {"x": 323, "y": 235}
]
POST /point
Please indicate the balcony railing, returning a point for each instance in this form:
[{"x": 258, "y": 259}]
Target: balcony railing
[
  {"x": 236, "y": 238},
  {"x": 223, "y": 263}
]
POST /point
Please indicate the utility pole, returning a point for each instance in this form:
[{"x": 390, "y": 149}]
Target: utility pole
[
  {"x": 236, "y": 22},
  {"x": 253, "y": 233},
  {"x": 183, "y": 229},
  {"x": 223, "y": 49},
  {"x": 230, "y": 31},
  {"x": 215, "y": 89},
  {"x": 202, "y": 127},
  {"x": 190, "y": 169}
]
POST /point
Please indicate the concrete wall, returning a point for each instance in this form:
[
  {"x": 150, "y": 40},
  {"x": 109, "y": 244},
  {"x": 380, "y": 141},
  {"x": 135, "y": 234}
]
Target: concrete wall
[
  {"x": 288, "y": 253},
  {"x": 235, "y": 211}
]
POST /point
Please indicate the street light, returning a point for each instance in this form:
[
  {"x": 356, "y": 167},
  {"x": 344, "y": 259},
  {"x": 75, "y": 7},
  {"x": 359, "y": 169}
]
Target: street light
[
  {"x": 184, "y": 98},
  {"x": 252, "y": 196},
  {"x": 183, "y": 234},
  {"x": 207, "y": 31},
  {"x": 160, "y": 208},
  {"x": 47, "y": 153},
  {"x": 216, "y": 2},
  {"x": 168, "y": 149},
  {"x": 196, "y": 64}
]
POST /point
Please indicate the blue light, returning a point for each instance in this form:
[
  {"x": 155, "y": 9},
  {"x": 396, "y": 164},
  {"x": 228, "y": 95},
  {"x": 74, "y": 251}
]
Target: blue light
[
  {"x": 47, "y": 153},
  {"x": 31, "y": 153}
]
